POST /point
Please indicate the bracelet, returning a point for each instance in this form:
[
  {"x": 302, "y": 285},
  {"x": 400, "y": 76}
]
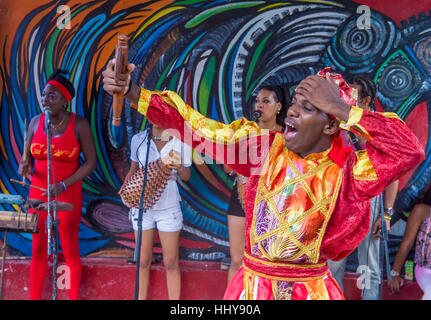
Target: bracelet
[
  {"x": 63, "y": 185},
  {"x": 394, "y": 273},
  {"x": 389, "y": 211}
]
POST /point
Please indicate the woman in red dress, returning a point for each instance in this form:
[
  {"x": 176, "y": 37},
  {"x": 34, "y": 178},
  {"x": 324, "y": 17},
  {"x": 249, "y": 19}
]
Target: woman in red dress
[{"x": 71, "y": 135}]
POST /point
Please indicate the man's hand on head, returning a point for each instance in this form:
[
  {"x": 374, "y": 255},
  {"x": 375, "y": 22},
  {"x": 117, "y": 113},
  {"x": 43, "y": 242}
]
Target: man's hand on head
[{"x": 324, "y": 94}]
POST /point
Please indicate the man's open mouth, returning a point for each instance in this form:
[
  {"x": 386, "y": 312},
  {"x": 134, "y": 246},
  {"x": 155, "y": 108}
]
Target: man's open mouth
[{"x": 290, "y": 131}]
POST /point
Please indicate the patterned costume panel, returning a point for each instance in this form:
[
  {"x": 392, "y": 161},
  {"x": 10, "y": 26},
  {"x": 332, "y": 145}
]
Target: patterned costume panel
[{"x": 293, "y": 205}]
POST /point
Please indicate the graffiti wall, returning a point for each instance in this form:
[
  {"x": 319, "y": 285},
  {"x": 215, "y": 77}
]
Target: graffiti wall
[{"x": 214, "y": 54}]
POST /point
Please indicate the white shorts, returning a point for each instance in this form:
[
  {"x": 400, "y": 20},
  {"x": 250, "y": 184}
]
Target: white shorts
[{"x": 170, "y": 220}]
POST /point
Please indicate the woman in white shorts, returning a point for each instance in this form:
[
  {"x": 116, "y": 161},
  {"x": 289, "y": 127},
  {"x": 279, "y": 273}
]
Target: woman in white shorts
[{"x": 165, "y": 215}]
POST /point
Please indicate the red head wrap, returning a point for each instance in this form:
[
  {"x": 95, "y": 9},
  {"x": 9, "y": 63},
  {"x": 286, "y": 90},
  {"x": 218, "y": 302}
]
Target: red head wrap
[
  {"x": 60, "y": 87},
  {"x": 348, "y": 95},
  {"x": 62, "y": 84}
]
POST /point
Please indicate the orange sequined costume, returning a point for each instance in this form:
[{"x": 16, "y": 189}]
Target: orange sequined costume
[{"x": 300, "y": 212}]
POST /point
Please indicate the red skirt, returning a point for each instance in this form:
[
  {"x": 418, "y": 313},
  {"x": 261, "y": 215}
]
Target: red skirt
[{"x": 245, "y": 285}]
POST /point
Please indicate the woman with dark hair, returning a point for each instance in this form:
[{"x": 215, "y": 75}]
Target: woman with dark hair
[
  {"x": 418, "y": 229},
  {"x": 164, "y": 215},
  {"x": 270, "y": 101},
  {"x": 71, "y": 135},
  {"x": 366, "y": 91}
]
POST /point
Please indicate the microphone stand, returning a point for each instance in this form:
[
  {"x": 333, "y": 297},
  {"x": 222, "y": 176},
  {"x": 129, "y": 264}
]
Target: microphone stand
[
  {"x": 141, "y": 212},
  {"x": 385, "y": 246},
  {"x": 51, "y": 223}
]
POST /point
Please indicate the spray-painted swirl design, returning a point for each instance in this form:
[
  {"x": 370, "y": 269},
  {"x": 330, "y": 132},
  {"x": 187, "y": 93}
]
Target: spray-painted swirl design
[
  {"x": 356, "y": 49},
  {"x": 215, "y": 54}
]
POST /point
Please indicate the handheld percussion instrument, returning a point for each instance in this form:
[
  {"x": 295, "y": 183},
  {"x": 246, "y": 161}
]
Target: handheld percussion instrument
[
  {"x": 23, "y": 222},
  {"x": 157, "y": 180},
  {"x": 121, "y": 54}
]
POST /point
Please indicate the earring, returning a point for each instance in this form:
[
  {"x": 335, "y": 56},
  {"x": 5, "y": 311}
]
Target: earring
[{"x": 278, "y": 112}]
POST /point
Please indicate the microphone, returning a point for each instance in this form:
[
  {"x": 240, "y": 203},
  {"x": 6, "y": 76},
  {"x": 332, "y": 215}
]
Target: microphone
[
  {"x": 256, "y": 115},
  {"x": 47, "y": 113}
]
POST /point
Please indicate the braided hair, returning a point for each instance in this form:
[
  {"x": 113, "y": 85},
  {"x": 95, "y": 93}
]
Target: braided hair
[{"x": 368, "y": 89}]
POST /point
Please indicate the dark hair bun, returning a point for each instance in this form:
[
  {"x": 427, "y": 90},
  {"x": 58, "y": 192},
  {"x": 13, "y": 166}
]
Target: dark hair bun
[{"x": 62, "y": 77}]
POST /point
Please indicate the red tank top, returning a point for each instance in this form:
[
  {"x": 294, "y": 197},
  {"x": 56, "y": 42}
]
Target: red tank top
[{"x": 65, "y": 153}]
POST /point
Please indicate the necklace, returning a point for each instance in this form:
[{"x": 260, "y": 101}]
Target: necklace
[
  {"x": 56, "y": 126},
  {"x": 273, "y": 128},
  {"x": 156, "y": 138}
]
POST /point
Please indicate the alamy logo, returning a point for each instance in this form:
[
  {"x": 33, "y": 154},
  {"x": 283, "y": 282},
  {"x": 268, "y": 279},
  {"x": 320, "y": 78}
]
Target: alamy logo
[
  {"x": 364, "y": 279},
  {"x": 63, "y": 279},
  {"x": 63, "y": 21},
  {"x": 364, "y": 20}
]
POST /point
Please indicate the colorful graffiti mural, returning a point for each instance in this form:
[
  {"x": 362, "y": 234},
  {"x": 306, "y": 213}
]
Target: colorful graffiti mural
[{"x": 215, "y": 54}]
